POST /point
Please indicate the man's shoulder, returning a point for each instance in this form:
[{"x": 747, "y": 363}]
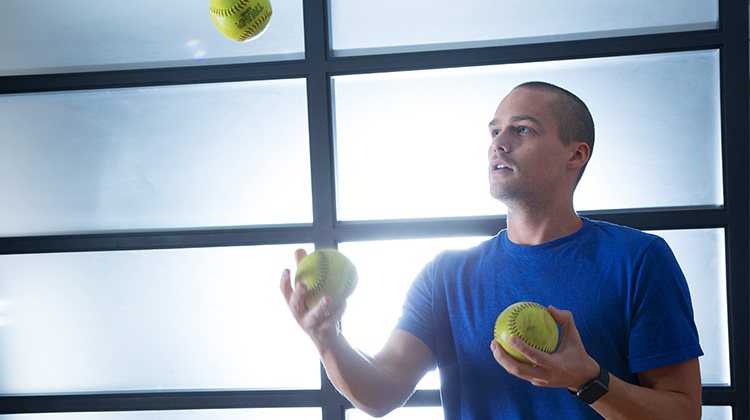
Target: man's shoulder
[
  {"x": 482, "y": 247},
  {"x": 621, "y": 234}
]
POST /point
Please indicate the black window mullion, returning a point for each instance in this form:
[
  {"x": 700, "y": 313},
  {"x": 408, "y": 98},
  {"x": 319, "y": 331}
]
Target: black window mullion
[
  {"x": 320, "y": 122},
  {"x": 551, "y": 51},
  {"x": 736, "y": 135},
  {"x": 318, "y": 67}
]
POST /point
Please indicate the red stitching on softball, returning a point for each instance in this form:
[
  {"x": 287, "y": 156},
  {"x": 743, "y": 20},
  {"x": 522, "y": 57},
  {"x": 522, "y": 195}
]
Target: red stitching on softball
[
  {"x": 251, "y": 32},
  {"x": 232, "y": 10},
  {"x": 238, "y": 6}
]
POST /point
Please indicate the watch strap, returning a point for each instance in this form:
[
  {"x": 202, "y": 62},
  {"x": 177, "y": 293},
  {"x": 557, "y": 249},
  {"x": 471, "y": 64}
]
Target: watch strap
[{"x": 595, "y": 389}]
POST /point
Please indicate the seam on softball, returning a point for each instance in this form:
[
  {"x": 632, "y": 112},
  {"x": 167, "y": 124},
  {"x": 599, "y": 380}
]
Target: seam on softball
[
  {"x": 351, "y": 282},
  {"x": 514, "y": 329},
  {"x": 232, "y": 10},
  {"x": 317, "y": 286},
  {"x": 258, "y": 23}
]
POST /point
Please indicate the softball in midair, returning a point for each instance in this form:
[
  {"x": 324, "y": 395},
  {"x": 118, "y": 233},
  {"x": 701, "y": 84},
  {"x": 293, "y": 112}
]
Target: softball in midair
[
  {"x": 240, "y": 20},
  {"x": 326, "y": 272},
  {"x": 532, "y": 323}
]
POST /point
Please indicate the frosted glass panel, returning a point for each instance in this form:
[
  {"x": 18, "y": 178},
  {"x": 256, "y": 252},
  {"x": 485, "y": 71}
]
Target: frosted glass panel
[
  {"x": 185, "y": 319},
  {"x": 382, "y": 287},
  {"x": 702, "y": 256},
  {"x": 233, "y": 414},
  {"x": 414, "y": 144},
  {"x": 85, "y": 35},
  {"x": 360, "y": 27},
  {"x": 163, "y": 157},
  {"x": 717, "y": 412},
  {"x": 403, "y": 413}
]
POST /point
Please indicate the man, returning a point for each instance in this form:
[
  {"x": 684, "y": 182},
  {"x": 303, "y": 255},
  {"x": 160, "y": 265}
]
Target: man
[{"x": 629, "y": 345}]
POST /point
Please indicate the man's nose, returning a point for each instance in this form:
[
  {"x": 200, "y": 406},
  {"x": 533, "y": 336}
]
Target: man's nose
[{"x": 500, "y": 144}]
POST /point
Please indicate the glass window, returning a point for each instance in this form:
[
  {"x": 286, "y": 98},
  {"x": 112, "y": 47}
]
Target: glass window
[
  {"x": 717, "y": 412},
  {"x": 391, "y": 26},
  {"x": 183, "y": 319},
  {"x": 702, "y": 257},
  {"x": 85, "y": 35},
  {"x": 414, "y": 144},
  {"x": 403, "y": 413},
  {"x": 229, "y": 414},
  {"x": 382, "y": 287},
  {"x": 162, "y": 157}
]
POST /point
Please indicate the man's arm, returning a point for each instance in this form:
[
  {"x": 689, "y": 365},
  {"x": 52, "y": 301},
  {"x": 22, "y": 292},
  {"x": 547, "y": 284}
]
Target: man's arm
[
  {"x": 375, "y": 384},
  {"x": 670, "y": 392}
]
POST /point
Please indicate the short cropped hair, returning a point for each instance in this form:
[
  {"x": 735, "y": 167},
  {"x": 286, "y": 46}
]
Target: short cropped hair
[{"x": 573, "y": 117}]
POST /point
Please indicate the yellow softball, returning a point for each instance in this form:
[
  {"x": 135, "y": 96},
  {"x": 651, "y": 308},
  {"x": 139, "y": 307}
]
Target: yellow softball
[
  {"x": 240, "y": 20},
  {"x": 326, "y": 272},
  {"x": 532, "y": 323}
]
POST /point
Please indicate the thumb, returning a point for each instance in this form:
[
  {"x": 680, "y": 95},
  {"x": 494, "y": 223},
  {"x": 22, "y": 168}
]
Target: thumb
[
  {"x": 564, "y": 318},
  {"x": 568, "y": 330}
]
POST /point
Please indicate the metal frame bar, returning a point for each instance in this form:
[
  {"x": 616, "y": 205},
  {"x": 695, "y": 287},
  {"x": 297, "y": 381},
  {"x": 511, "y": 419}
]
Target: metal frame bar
[{"x": 317, "y": 68}]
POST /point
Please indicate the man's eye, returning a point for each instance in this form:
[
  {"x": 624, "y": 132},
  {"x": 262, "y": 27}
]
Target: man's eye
[
  {"x": 495, "y": 133},
  {"x": 523, "y": 129}
]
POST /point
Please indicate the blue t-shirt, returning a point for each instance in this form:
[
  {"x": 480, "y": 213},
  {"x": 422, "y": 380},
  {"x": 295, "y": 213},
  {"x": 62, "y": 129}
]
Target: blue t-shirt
[{"x": 628, "y": 296}]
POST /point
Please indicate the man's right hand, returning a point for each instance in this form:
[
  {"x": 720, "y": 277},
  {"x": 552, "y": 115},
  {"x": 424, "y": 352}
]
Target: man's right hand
[
  {"x": 375, "y": 384},
  {"x": 322, "y": 327}
]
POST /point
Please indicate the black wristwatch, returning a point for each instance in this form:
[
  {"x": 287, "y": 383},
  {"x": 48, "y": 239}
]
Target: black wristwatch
[{"x": 595, "y": 389}]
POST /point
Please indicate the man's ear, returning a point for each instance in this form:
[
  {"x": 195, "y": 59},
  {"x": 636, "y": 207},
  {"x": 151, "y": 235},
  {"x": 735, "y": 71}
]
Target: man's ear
[{"x": 579, "y": 157}]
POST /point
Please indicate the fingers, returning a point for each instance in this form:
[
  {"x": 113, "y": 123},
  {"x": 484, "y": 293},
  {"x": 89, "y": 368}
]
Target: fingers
[
  {"x": 295, "y": 297},
  {"x": 322, "y": 316},
  {"x": 568, "y": 331},
  {"x": 569, "y": 366},
  {"x": 564, "y": 318},
  {"x": 286, "y": 285},
  {"x": 309, "y": 319},
  {"x": 500, "y": 354},
  {"x": 286, "y": 282},
  {"x": 297, "y": 301},
  {"x": 535, "y": 357},
  {"x": 299, "y": 255},
  {"x": 321, "y": 322},
  {"x": 535, "y": 372}
]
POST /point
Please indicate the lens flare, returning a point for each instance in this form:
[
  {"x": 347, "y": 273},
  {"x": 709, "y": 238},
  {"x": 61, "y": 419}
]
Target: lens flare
[
  {"x": 129, "y": 105},
  {"x": 194, "y": 48}
]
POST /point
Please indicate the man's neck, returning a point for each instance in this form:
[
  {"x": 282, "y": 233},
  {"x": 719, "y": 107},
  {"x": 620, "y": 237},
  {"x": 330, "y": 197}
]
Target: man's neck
[{"x": 527, "y": 228}]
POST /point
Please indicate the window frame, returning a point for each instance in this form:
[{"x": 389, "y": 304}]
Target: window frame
[{"x": 319, "y": 65}]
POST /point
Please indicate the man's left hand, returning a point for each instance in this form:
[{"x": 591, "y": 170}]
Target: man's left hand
[{"x": 570, "y": 366}]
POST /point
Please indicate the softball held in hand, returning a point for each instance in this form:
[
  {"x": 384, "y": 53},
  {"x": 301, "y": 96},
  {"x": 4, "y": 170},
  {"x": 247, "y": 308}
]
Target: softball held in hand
[
  {"x": 240, "y": 20},
  {"x": 326, "y": 273},
  {"x": 530, "y": 322}
]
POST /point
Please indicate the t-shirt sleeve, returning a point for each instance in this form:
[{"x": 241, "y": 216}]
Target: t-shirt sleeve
[
  {"x": 663, "y": 327},
  {"x": 417, "y": 310}
]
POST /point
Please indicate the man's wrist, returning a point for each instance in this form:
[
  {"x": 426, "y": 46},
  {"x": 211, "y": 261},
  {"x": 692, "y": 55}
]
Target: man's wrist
[
  {"x": 591, "y": 372},
  {"x": 594, "y": 389},
  {"x": 330, "y": 342}
]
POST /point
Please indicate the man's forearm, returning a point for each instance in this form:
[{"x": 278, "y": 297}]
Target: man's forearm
[
  {"x": 626, "y": 401},
  {"x": 369, "y": 386},
  {"x": 377, "y": 384}
]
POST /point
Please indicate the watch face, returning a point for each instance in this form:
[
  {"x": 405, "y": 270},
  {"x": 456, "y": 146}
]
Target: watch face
[{"x": 593, "y": 391}]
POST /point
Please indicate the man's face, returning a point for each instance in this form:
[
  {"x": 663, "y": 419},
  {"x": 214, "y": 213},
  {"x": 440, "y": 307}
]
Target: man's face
[{"x": 527, "y": 159}]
